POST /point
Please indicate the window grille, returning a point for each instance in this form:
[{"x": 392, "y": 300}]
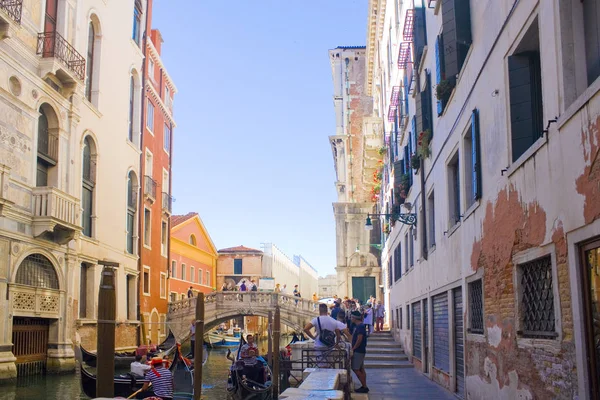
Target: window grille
[
  {"x": 537, "y": 299},
  {"x": 36, "y": 270},
  {"x": 476, "y": 306}
]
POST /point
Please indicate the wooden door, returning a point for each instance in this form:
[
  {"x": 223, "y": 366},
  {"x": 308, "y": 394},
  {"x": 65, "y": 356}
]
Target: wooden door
[
  {"x": 590, "y": 261},
  {"x": 30, "y": 341}
]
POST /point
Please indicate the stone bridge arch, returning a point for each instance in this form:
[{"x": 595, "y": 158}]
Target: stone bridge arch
[{"x": 223, "y": 306}]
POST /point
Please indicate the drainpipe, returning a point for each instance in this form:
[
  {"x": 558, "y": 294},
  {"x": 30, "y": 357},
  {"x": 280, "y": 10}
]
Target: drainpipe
[{"x": 141, "y": 194}]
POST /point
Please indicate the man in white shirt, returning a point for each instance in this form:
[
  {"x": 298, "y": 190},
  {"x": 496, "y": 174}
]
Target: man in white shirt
[
  {"x": 139, "y": 367},
  {"x": 324, "y": 322}
]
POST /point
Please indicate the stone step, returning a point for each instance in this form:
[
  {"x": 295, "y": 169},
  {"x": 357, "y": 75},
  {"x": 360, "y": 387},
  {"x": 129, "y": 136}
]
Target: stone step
[
  {"x": 375, "y": 350},
  {"x": 388, "y": 364},
  {"x": 386, "y": 357},
  {"x": 382, "y": 344}
]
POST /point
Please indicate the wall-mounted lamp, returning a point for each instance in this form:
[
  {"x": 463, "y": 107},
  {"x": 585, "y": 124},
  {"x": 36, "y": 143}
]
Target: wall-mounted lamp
[
  {"x": 377, "y": 246},
  {"x": 404, "y": 218}
]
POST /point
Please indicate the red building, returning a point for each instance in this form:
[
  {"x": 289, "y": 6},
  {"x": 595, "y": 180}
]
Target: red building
[
  {"x": 193, "y": 257},
  {"x": 156, "y": 161}
]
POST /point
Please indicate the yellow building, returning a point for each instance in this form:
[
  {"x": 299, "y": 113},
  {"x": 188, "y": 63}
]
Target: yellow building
[{"x": 193, "y": 257}]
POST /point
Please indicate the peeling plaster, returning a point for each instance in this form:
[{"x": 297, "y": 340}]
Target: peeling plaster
[
  {"x": 494, "y": 335},
  {"x": 588, "y": 183},
  {"x": 480, "y": 389}
]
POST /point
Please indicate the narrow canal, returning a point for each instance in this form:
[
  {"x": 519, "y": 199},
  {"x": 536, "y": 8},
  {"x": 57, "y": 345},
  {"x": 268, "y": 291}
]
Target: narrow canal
[{"x": 67, "y": 387}]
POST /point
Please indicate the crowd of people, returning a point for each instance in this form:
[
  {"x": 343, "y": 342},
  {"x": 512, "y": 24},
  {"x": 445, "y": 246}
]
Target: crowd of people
[{"x": 348, "y": 326}]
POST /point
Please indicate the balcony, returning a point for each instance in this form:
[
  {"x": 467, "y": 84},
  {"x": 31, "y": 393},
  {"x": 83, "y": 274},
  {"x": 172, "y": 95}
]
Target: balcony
[
  {"x": 61, "y": 60},
  {"x": 10, "y": 16},
  {"x": 56, "y": 215},
  {"x": 149, "y": 188},
  {"x": 41, "y": 302},
  {"x": 167, "y": 203},
  {"x": 48, "y": 146}
]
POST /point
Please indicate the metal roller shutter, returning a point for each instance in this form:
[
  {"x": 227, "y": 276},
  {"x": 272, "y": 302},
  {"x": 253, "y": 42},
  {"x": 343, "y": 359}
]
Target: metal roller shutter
[
  {"x": 416, "y": 320},
  {"x": 441, "y": 345},
  {"x": 459, "y": 346}
]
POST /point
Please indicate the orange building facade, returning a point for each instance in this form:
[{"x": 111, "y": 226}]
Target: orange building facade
[
  {"x": 193, "y": 257},
  {"x": 156, "y": 161}
]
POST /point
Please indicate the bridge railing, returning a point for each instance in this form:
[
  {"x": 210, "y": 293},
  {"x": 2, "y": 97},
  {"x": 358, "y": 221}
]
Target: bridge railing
[{"x": 235, "y": 299}]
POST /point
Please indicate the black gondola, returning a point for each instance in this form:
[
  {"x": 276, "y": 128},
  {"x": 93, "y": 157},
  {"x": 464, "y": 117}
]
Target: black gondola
[
  {"x": 240, "y": 388},
  {"x": 125, "y": 384},
  {"x": 124, "y": 359},
  {"x": 183, "y": 379}
]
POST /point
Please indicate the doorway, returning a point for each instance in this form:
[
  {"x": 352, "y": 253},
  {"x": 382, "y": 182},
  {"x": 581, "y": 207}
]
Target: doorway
[
  {"x": 363, "y": 287},
  {"x": 590, "y": 262},
  {"x": 30, "y": 345}
]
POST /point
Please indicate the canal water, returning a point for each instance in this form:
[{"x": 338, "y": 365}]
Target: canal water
[{"x": 67, "y": 387}]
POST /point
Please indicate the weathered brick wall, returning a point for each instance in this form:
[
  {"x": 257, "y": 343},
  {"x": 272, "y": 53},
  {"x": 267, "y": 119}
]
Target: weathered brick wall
[
  {"x": 500, "y": 365},
  {"x": 125, "y": 336}
]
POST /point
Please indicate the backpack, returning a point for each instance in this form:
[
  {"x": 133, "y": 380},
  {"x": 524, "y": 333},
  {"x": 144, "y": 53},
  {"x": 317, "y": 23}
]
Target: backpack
[
  {"x": 326, "y": 336},
  {"x": 254, "y": 288}
]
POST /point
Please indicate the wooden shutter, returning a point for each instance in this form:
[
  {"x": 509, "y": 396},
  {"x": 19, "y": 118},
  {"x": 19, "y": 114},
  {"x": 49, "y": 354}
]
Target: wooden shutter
[
  {"x": 397, "y": 263},
  {"x": 525, "y": 101},
  {"x": 476, "y": 154},
  {"x": 419, "y": 111},
  {"x": 420, "y": 36},
  {"x": 456, "y": 22},
  {"x": 398, "y": 165},
  {"x": 440, "y": 68},
  {"x": 427, "y": 107}
]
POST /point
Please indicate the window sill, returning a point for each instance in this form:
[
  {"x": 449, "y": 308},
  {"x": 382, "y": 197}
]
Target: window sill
[
  {"x": 137, "y": 47},
  {"x": 476, "y": 337},
  {"x": 149, "y": 131},
  {"x": 92, "y": 107},
  {"x": 527, "y": 155},
  {"x": 578, "y": 104},
  {"x": 147, "y": 247},
  {"x": 88, "y": 239},
  {"x": 471, "y": 209},
  {"x": 86, "y": 321},
  {"x": 146, "y": 294},
  {"x": 167, "y": 152},
  {"x": 133, "y": 146},
  {"x": 453, "y": 229},
  {"x": 550, "y": 345}
]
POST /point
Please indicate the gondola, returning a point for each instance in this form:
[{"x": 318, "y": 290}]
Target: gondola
[
  {"x": 183, "y": 379},
  {"x": 125, "y": 384},
  {"x": 124, "y": 359},
  {"x": 239, "y": 388}
]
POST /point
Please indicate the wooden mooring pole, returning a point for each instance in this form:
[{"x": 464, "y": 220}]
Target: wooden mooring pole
[
  {"x": 270, "y": 338},
  {"x": 199, "y": 347},
  {"x": 276, "y": 337},
  {"x": 105, "y": 344}
]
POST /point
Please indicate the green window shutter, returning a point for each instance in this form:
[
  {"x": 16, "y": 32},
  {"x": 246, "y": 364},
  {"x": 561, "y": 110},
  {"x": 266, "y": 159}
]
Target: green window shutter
[{"x": 456, "y": 28}]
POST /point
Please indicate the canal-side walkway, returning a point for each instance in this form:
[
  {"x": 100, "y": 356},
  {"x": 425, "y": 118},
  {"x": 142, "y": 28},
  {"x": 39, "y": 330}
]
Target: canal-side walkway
[{"x": 401, "y": 383}]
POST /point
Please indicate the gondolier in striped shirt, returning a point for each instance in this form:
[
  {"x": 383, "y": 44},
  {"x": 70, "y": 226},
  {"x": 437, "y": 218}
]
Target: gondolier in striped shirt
[{"x": 161, "y": 379}]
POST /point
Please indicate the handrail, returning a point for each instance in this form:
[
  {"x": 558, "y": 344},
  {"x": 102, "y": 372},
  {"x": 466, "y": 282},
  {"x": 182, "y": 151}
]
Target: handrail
[
  {"x": 14, "y": 8},
  {"x": 52, "y": 44}
]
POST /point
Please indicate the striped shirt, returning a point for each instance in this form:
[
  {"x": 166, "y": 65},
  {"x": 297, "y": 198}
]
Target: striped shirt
[{"x": 163, "y": 384}]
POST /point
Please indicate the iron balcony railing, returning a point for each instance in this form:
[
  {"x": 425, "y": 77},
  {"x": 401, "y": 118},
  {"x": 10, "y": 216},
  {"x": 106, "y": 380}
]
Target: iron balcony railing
[
  {"x": 149, "y": 187},
  {"x": 52, "y": 44},
  {"x": 48, "y": 145},
  {"x": 167, "y": 202},
  {"x": 13, "y": 8}
]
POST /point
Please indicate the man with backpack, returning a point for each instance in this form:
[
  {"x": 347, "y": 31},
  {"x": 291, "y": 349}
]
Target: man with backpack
[{"x": 328, "y": 333}]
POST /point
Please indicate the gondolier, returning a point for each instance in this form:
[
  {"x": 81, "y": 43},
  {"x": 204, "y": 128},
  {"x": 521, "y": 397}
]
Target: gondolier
[
  {"x": 161, "y": 379},
  {"x": 192, "y": 337}
]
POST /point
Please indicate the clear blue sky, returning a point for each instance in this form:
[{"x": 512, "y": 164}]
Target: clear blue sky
[{"x": 254, "y": 111}]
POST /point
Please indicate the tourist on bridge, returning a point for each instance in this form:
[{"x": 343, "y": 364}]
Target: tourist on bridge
[
  {"x": 379, "y": 316},
  {"x": 161, "y": 379},
  {"x": 296, "y": 293},
  {"x": 243, "y": 286},
  {"x": 224, "y": 287},
  {"x": 358, "y": 351},
  {"x": 190, "y": 292},
  {"x": 277, "y": 288},
  {"x": 328, "y": 334},
  {"x": 337, "y": 307}
]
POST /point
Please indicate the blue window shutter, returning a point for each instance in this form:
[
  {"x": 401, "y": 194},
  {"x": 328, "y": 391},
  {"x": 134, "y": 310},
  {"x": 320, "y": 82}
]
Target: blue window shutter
[
  {"x": 438, "y": 74},
  {"x": 414, "y": 134},
  {"x": 476, "y": 154}
]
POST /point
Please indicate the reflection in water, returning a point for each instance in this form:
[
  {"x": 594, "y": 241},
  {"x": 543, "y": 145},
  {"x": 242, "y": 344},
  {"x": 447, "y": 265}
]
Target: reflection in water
[{"x": 65, "y": 387}]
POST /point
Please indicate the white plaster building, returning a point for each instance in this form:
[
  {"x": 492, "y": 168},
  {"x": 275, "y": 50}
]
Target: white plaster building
[
  {"x": 284, "y": 270},
  {"x": 493, "y": 140},
  {"x": 327, "y": 286},
  {"x": 355, "y": 145},
  {"x": 70, "y": 104}
]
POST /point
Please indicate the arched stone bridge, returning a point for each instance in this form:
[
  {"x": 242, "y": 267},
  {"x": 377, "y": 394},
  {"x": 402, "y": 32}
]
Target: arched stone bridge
[{"x": 295, "y": 312}]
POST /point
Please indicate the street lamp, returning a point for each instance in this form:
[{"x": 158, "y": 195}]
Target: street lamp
[
  {"x": 377, "y": 246},
  {"x": 404, "y": 218}
]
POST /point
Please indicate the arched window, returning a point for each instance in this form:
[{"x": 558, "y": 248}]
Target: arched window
[
  {"x": 47, "y": 143},
  {"x": 131, "y": 210},
  {"x": 88, "y": 184},
  {"x": 193, "y": 240},
  {"x": 131, "y": 106},
  {"x": 37, "y": 271},
  {"x": 90, "y": 62}
]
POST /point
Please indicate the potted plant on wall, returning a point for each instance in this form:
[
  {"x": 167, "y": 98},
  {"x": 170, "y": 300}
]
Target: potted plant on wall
[
  {"x": 444, "y": 89},
  {"x": 415, "y": 162},
  {"x": 386, "y": 228},
  {"x": 382, "y": 150},
  {"x": 423, "y": 144}
]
